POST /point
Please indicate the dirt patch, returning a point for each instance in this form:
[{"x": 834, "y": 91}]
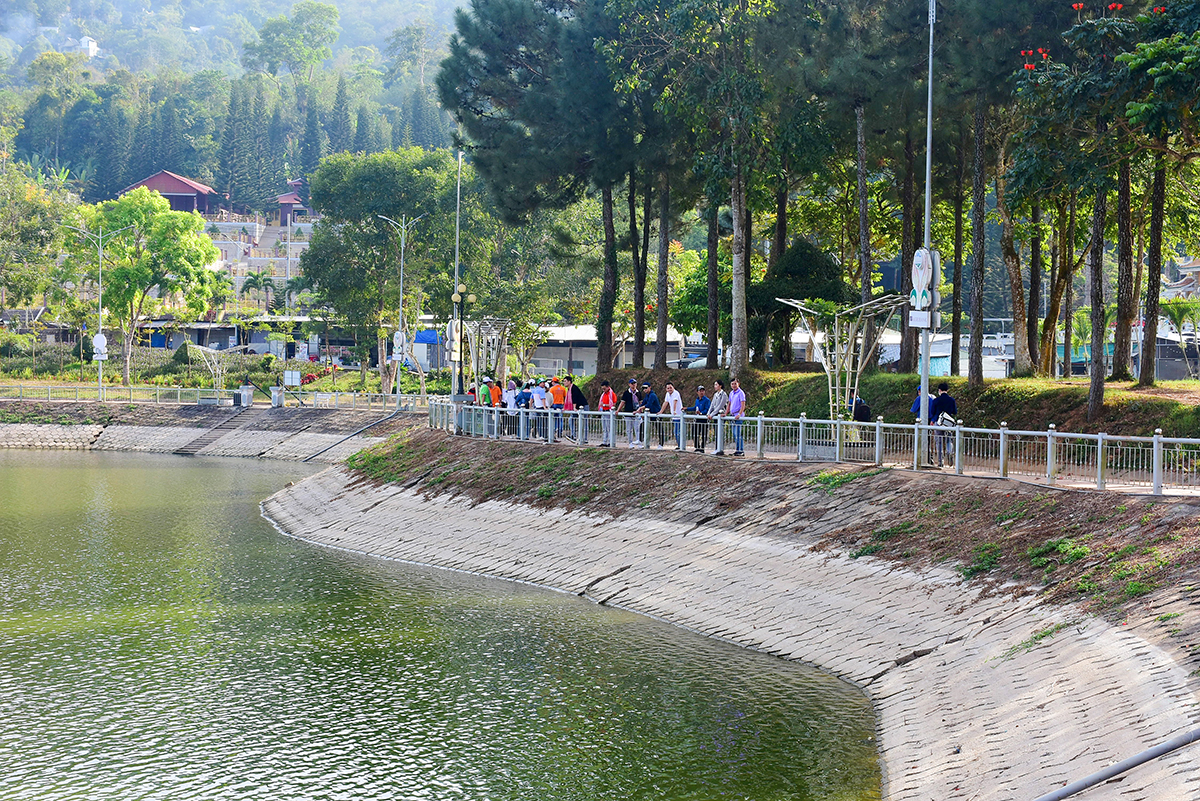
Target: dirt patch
[{"x": 1129, "y": 558}]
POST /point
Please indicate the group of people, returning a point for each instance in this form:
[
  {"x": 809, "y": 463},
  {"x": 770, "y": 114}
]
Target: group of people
[
  {"x": 943, "y": 413},
  {"x": 553, "y": 397}
]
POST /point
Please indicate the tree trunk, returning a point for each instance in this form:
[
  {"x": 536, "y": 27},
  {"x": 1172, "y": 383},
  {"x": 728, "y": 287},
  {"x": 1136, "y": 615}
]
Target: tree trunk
[
  {"x": 714, "y": 305},
  {"x": 1068, "y": 330},
  {"x": 779, "y": 239},
  {"x": 639, "y": 284},
  {"x": 739, "y": 351},
  {"x": 908, "y": 213},
  {"x": 1096, "y": 276},
  {"x": 1126, "y": 300},
  {"x": 1022, "y": 364},
  {"x": 1153, "y": 277},
  {"x": 639, "y": 276},
  {"x": 960, "y": 174},
  {"x": 664, "y": 254},
  {"x": 608, "y": 294},
  {"x": 1035, "y": 284},
  {"x": 864, "y": 223},
  {"x": 978, "y": 245}
]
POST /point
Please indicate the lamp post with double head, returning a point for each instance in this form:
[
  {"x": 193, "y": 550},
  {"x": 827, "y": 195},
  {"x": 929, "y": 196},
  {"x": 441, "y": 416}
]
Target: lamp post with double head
[
  {"x": 99, "y": 342},
  {"x": 402, "y": 226}
]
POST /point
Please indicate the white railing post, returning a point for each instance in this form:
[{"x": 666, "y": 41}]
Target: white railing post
[
  {"x": 77, "y": 393},
  {"x": 48, "y": 394},
  {"x": 496, "y": 421},
  {"x": 1051, "y": 454},
  {"x": 879, "y": 441},
  {"x": 1158, "y": 461},
  {"x": 1003, "y": 449},
  {"x": 646, "y": 430},
  {"x": 758, "y": 447},
  {"x": 839, "y": 438},
  {"x": 800, "y": 438},
  {"x": 720, "y": 434},
  {"x": 522, "y": 424},
  {"x": 1101, "y": 458},
  {"x": 958, "y": 448},
  {"x": 917, "y": 444},
  {"x": 612, "y": 428}
]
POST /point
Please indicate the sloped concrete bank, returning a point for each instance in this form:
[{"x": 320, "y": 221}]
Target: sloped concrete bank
[
  {"x": 978, "y": 696},
  {"x": 285, "y": 433}
]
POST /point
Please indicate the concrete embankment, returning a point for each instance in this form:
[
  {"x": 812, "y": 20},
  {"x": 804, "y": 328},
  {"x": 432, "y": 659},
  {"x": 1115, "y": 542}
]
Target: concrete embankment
[
  {"x": 982, "y": 692},
  {"x": 288, "y": 433}
]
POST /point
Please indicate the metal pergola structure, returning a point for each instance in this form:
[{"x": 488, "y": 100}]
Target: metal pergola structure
[
  {"x": 488, "y": 340},
  {"x": 214, "y": 360},
  {"x": 848, "y": 342}
]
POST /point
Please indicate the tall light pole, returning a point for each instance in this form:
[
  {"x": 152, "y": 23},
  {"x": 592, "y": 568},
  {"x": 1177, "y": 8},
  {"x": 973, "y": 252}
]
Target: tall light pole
[
  {"x": 403, "y": 227},
  {"x": 935, "y": 277},
  {"x": 459, "y": 289},
  {"x": 99, "y": 338}
]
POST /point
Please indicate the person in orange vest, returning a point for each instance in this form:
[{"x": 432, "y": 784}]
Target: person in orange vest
[{"x": 608, "y": 403}]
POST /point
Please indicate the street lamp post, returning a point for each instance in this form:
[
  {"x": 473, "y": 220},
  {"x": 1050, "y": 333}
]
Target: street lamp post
[
  {"x": 403, "y": 227},
  {"x": 458, "y": 288},
  {"x": 99, "y": 339},
  {"x": 923, "y": 444}
]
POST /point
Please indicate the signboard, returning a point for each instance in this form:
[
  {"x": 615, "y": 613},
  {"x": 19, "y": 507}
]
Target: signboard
[
  {"x": 302, "y": 351},
  {"x": 291, "y": 378},
  {"x": 233, "y": 341},
  {"x": 100, "y": 347}
]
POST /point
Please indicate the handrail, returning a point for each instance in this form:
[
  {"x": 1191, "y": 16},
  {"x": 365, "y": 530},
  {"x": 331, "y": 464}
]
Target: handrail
[
  {"x": 1121, "y": 767},
  {"x": 1100, "y": 460}
]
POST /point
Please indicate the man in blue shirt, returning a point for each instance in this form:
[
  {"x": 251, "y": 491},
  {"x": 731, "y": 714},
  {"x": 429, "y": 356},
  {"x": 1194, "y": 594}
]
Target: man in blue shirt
[
  {"x": 700, "y": 427},
  {"x": 651, "y": 404}
]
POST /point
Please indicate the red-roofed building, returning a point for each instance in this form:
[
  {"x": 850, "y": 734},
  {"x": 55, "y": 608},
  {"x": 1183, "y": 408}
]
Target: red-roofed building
[{"x": 183, "y": 194}]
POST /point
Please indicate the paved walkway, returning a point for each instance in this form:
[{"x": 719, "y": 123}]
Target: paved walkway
[{"x": 974, "y": 701}]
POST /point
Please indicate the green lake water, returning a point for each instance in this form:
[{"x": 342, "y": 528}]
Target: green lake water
[{"x": 159, "y": 640}]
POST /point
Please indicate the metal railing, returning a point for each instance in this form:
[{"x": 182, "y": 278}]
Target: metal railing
[
  {"x": 1156, "y": 463},
  {"x": 365, "y": 401}
]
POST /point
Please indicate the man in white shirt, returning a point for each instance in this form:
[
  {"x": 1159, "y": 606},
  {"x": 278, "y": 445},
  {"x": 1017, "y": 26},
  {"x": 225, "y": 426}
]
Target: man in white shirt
[
  {"x": 673, "y": 403},
  {"x": 540, "y": 405}
]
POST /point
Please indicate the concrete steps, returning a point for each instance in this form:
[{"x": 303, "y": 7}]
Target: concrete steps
[{"x": 239, "y": 419}]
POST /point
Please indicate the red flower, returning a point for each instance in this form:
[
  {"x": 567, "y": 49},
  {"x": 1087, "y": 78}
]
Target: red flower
[{"x": 1077, "y": 6}]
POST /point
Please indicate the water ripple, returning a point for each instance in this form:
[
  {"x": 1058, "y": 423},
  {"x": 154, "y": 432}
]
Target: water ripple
[{"x": 159, "y": 641}]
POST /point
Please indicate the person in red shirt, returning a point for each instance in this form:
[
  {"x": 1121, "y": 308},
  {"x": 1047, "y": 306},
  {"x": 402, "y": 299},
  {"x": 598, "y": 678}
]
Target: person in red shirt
[{"x": 608, "y": 403}]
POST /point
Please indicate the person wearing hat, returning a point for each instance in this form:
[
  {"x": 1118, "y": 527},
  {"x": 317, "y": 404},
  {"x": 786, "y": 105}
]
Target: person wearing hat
[
  {"x": 630, "y": 401},
  {"x": 700, "y": 427},
  {"x": 652, "y": 405}
]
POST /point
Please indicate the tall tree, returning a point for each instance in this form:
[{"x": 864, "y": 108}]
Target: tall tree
[{"x": 340, "y": 126}]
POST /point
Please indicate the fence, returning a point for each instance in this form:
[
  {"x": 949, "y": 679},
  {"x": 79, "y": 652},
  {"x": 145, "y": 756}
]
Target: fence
[
  {"x": 365, "y": 401},
  {"x": 1055, "y": 457}
]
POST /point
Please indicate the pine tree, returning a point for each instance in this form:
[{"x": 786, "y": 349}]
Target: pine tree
[
  {"x": 141, "y": 162},
  {"x": 116, "y": 144},
  {"x": 229, "y": 143},
  {"x": 340, "y": 126},
  {"x": 312, "y": 148},
  {"x": 262, "y": 170},
  {"x": 170, "y": 140},
  {"x": 277, "y": 144},
  {"x": 362, "y": 132}
]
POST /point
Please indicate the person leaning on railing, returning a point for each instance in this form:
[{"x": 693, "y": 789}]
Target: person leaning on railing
[
  {"x": 608, "y": 403},
  {"x": 718, "y": 407},
  {"x": 630, "y": 403},
  {"x": 700, "y": 427}
]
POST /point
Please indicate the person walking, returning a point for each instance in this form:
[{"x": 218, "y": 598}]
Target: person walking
[
  {"x": 737, "y": 410},
  {"x": 608, "y": 403},
  {"x": 719, "y": 407},
  {"x": 630, "y": 403},
  {"x": 673, "y": 405},
  {"x": 943, "y": 413},
  {"x": 700, "y": 408}
]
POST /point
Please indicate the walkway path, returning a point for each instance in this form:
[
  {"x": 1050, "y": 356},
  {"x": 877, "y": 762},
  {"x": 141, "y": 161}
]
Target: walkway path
[{"x": 974, "y": 700}]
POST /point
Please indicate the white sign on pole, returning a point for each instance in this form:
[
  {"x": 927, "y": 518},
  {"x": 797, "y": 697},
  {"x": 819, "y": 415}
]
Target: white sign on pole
[
  {"x": 233, "y": 341},
  {"x": 302, "y": 351},
  {"x": 291, "y": 378},
  {"x": 100, "y": 347}
]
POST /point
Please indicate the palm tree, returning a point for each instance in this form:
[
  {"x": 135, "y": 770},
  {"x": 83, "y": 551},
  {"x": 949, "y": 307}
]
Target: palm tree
[
  {"x": 1081, "y": 329},
  {"x": 1179, "y": 311},
  {"x": 296, "y": 287},
  {"x": 260, "y": 281}
]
